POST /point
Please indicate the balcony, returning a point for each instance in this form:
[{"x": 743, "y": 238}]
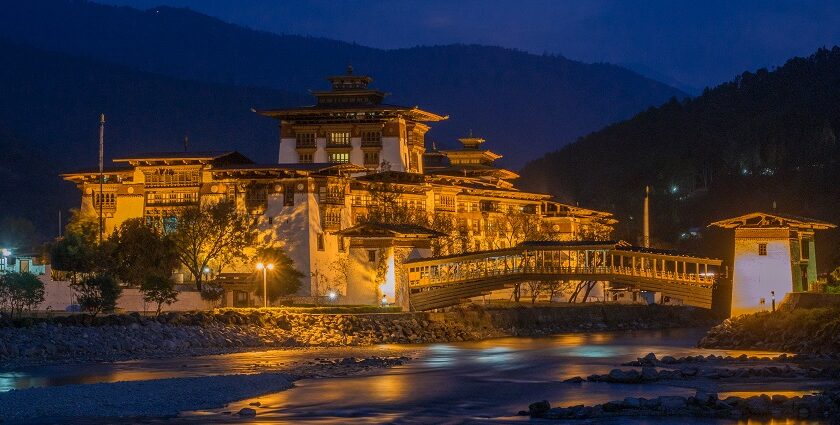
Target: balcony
[
  {"x": 332, "y": 198},
  {"x": 305, "y": 144},
  {"x": 372, "y": 143}
]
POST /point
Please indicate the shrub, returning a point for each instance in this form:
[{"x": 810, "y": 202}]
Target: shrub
[
  {"x": 159, "y": 290},
  {"x": 19, "y": 292},
  {"x": 98, "y": 293}
]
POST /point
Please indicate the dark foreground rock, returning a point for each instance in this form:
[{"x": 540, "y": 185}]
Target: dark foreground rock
[
  {"x": 821, "y": 406},
  {"x": 127, "y": 336},
  {"x": 811, "y": 331}
]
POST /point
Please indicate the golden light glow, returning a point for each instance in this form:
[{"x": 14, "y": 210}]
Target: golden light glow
[{"x": 260, "y": 266}]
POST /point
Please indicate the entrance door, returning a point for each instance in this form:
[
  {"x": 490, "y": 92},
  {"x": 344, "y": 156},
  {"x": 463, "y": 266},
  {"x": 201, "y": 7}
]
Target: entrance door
[
  {"x": 24, "y": 266},
  {"x": 804, "y": 273}
]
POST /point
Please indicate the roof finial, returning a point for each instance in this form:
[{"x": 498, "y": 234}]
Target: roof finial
[
  {"x": 349, "y": 69},
  {"x": 471, "y": 134},
  {"x": 774, "y": 205},
  {"x": 434, "y": 146}
]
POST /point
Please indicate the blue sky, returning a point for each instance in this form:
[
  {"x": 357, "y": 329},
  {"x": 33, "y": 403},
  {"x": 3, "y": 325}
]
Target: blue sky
[{"x": 696, "y": 43}]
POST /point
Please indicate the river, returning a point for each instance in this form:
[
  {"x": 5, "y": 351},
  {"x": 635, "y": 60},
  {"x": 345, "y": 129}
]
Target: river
[{"x": 469, "y": 382}]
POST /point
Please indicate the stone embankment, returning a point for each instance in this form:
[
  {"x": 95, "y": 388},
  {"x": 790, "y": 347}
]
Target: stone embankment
[
  {"x": 820, "y": 406},
  {"x": 118, "y": 337},
  {"x": 809, "y": 331}
]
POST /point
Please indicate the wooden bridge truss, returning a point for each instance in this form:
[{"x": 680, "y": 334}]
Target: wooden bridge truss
[{"x": 444, "y": 281}]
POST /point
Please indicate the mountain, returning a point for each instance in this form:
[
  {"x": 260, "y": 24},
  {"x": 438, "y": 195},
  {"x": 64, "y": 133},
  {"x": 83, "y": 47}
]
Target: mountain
[
  {"x": 512, "y": 98},
  {"x": 49, "y": 112},
  {"x": 766, "y": 138}
]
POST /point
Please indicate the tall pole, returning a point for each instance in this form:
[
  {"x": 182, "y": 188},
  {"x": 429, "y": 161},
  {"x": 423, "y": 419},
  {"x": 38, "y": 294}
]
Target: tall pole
[
  {"x": 101, "y": 172},
  {"x": 646, "y": 218},
  {"x": 265, "y": 288}
]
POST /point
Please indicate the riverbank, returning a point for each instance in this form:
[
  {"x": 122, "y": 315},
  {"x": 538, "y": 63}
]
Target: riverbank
[
  {"x": 167, "y": 397},
  {"x": 805, "y": 331},
  {"x": 122, "y": 337}
]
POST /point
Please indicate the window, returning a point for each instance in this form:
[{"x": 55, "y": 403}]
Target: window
[
  {"x": 305, "y": 158},
  {"x": 341, "y": 244},
  {"x": 107, "y": 200},
  {"x": 289, "y": 195},
  {"x": 372, "y": 255},
  {"x": 339, "y": 157},
  {"x": 805, "y": 245},
  {"x": 320, "y": 241},
  {"x": 169, "y": 177},
  {"x": 762, "y": 249},
  {"x": 372, "y": 158},
  {"x": 305, "y": 140},
  {"x": 340, "y": 138},
  {"x": 371, "y": 138}
]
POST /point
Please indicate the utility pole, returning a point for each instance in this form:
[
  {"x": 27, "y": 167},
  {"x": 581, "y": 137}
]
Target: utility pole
[
  {"x": 646, "y": 218},
  {"x": 101, "y": 172}
]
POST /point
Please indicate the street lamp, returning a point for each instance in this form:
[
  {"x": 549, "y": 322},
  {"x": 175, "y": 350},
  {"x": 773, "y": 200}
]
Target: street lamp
[{"x": 265, "y": 268}]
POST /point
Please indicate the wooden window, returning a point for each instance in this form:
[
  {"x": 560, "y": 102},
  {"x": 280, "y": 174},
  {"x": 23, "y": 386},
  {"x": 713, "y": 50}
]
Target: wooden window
[
  {"x": 305, "y": 140},
  {"x": 289, "y": 195},
  {"x": 762, "y": 249},
  {"x": 341, "y": 244},
  {"x": 305, "y": 158},
  {"x": 371, "y": 159},
  {"x": 372, "y": 138},
  {"x": 372, "y": 255},
  {"x": 340, "y": 138},
  {"x": 320, "y": 241},
  {"x": 339, "y": 157}
]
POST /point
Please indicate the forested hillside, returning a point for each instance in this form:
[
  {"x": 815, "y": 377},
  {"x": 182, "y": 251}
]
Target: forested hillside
[
  {"x": 512, "y": 98},
  {"x": 766, "y": 137}
]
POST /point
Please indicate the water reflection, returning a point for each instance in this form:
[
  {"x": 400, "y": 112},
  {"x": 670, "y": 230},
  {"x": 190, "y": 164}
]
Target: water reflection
[{"x": 484, "y": 381}]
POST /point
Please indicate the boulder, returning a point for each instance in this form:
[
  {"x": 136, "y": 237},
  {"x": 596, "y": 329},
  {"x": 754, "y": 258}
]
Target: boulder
[
  {"x": 538, "y": 409},
  {"x": 247, "y": 411}
]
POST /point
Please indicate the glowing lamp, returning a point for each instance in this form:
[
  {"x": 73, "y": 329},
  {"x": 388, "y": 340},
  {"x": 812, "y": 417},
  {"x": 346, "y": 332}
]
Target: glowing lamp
[
  {"x": 332, "y": 295},
  {"x": 6, "y": 252}
]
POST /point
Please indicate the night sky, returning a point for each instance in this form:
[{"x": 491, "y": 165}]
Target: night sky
[{"x": 689, "y": 44}]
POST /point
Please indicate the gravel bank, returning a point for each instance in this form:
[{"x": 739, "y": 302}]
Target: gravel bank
[
  {"x": 121, "y": 337},
  {"x": 168, "y": 397}
]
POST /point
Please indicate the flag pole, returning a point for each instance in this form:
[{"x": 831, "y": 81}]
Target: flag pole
[{"x": 101, "y": 172}]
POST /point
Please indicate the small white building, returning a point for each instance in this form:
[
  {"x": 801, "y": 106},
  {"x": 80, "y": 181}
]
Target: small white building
[{"x": 773, "y": 255}]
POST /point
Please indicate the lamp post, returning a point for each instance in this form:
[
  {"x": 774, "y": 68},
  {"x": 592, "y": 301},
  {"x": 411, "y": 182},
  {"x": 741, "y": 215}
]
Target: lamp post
[
  {"x": 773, "y": 299},
  {"x": 265, "y": 268}
]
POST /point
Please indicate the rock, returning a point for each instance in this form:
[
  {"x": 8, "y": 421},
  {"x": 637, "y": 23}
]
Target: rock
[
  {"x": 668, "y": 360},
  {"x": 246, "y": 411},
  {"x": 538, "y": 409},
  {"x": 649, "y": 358},
  {"x": 758, "y": 405},
  {"x": 649, "y": 374},
  {"x": 671, "y": 404},
  {"x": 632, "y": 403}
]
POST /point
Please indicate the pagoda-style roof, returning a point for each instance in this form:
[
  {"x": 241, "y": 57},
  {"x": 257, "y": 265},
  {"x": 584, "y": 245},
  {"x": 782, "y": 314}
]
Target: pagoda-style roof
[
  {"x": 772, "y": 220},
  {"x": 474, "y": 170},
  {"x": 176, "y": 158},
  {"x": 350, "y": 99},
  {"x": 382, "y": 230},
  {"x": 291, "y": 169}
]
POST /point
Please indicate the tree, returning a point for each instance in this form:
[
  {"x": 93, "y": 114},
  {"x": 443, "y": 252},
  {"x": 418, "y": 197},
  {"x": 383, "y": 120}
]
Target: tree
[
  {"x": 142, "y": 251},
  {"x": 535, "y": 287},
  {"x": 159, "y": 290},
  {"x": 285, "y": 279},
  {"x": 211, "y": 231},
  {"x": 78, "y": 252},
  {"x": 98, "y": 293},
  {"x": 20, "y": 291}
]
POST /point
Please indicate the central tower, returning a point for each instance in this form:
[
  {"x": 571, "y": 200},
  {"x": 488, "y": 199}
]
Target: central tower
[{"x": 350, "y": 124}]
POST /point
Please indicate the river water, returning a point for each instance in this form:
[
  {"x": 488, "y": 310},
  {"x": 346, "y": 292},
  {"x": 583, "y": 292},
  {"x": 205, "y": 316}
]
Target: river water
[{"x": 470, "y": 382}]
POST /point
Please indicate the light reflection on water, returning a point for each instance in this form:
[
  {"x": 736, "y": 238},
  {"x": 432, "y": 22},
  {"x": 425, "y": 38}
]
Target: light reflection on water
[{"x": 484, "y": 381}]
